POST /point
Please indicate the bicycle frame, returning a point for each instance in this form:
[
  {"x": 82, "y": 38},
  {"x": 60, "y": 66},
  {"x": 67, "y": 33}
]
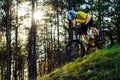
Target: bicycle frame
[
  {"x": 78, "y": 33},
  {"x": 76, "y": 47}
]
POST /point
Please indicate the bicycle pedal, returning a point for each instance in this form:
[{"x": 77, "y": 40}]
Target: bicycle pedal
[
  {"x": 98, "y": 37},
  {"x": 91, "y": 42}
]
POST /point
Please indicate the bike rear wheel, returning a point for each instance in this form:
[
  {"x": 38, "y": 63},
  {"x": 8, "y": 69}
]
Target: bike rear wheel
[
  {"x": 106, "y": 40},
  {"x": 75, "y": 49}
]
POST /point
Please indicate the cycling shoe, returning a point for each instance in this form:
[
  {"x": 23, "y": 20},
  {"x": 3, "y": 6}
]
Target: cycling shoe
[{"x": 98, "y": 38}]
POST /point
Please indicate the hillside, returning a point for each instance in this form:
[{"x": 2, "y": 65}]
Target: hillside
[{"x": 100, "y": 65}]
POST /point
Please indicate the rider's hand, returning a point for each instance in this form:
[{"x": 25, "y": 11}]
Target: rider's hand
[
  {"x": 84, "y": 24},
  {"x": 73, "y": 23}
]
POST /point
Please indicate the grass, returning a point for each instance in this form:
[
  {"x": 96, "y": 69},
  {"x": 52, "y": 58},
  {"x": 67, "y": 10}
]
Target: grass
[{"x": 101, "y": 65}]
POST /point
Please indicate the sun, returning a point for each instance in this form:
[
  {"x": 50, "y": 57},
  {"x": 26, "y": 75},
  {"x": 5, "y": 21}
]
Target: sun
[
  {"x": 24, "y": 9},
  {"x": 38, "y": 15}
]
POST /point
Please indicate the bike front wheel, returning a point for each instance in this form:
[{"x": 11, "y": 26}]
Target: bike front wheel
[{"x": 75, "y": 49}]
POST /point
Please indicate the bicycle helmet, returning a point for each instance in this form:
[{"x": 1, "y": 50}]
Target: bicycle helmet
[{"x": 71, "y": 14}]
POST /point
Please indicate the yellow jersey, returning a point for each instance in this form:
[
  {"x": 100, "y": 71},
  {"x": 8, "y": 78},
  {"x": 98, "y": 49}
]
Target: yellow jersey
[{"x": 81, "y": 17}]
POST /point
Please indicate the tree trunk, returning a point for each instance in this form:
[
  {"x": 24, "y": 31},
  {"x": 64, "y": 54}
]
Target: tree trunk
[
  {"x": 58, "y": 41},
  {"x": 16, "y": 45},
  {"x": 32, "y": 47},
  {"x": 8, "y": 39},
  {"x": 118, "y": 19},
  {"x": 70, "y": 24},
  {"x": 2, "y": 69}
]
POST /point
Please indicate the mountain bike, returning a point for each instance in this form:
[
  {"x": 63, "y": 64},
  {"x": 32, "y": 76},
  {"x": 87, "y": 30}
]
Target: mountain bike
[{"x": 77, "y": 47}]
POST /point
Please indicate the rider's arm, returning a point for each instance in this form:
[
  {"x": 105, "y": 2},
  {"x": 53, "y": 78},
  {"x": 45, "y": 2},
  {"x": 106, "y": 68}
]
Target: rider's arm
[
  {"x": 88, "y": 19},
  {"x": 74, "y": 23}
]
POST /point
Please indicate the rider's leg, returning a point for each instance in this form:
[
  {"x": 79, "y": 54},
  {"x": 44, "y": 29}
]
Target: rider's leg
[
  {"x": 94, "y": 30},
  {"x": 85, "y": 38},
  {"x": 92, "y": 27},
  {"x": 87, "y": 41}
]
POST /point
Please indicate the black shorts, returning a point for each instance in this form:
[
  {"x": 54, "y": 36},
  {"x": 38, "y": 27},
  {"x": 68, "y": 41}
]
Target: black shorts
[
  {"x": 83, "y": 28},
  {"x": 91, "y": 23}
]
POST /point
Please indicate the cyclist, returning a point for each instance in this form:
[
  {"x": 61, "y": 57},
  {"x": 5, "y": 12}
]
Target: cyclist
[{"x": 85, "y": 20}]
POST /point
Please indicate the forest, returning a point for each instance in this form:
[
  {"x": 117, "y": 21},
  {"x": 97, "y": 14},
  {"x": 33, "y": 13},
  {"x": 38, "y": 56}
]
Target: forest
[{"x": 34, "y": 33}]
